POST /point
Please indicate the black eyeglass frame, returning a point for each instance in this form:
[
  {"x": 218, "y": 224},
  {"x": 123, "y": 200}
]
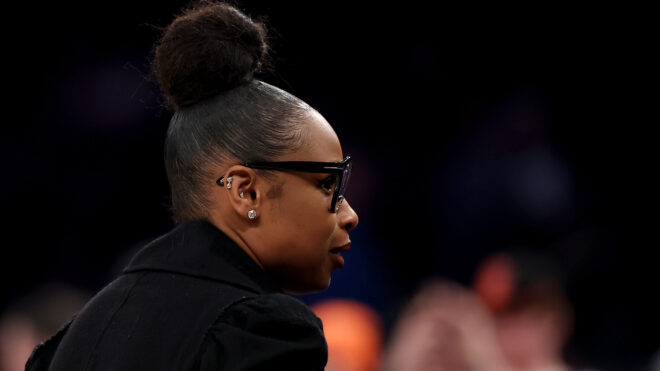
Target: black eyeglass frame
[{"x": 340, "y": 169}]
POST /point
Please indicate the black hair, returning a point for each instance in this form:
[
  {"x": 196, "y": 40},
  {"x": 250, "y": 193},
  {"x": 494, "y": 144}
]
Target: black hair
[{"x": 205, "y": 64}]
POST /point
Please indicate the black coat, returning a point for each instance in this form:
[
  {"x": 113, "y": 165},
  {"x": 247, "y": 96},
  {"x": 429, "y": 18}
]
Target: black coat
[{"x": 190, "y": 300}]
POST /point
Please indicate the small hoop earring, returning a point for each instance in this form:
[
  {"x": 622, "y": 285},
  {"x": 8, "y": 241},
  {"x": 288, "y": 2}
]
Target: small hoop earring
[
  {"x": 252, "y": 214},
  {"x": 229, "y": 182}
]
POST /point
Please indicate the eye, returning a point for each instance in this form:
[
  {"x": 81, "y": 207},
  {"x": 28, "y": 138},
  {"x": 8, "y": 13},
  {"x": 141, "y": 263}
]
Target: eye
[{"x": 328, "y": 183}]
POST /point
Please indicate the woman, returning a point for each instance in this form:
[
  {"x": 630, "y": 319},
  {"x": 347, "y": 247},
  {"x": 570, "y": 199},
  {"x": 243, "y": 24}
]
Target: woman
[{"x": 258, "y": 180}]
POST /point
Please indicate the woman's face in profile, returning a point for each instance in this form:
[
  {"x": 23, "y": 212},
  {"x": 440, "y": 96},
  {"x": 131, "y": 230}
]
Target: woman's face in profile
[{"x": 300, "y": 229}]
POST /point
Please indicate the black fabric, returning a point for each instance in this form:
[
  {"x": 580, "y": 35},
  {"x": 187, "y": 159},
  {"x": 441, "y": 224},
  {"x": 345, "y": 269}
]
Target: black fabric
[{"x": 190, "y": 300}]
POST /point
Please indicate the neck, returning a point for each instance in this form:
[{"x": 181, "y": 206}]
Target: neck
[{"x": 236, "y": 237}]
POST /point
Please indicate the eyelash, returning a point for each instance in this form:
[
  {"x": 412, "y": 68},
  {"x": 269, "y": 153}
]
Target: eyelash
[{"x": 327, "y": 184}]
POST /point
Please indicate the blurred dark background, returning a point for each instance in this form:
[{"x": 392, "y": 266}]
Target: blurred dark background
[{"x": 472, "y": 130}]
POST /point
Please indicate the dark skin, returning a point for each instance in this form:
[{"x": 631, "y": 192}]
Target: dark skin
[{"x": 293, "y": 233}]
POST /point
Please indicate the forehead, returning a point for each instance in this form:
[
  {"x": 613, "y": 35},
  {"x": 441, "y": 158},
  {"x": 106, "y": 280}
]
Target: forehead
[{"x": 321, "y": 143}]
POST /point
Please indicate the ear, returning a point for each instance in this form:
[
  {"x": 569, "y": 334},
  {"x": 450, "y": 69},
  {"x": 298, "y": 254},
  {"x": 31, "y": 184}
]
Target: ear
[{"x": 244, "y": 181}]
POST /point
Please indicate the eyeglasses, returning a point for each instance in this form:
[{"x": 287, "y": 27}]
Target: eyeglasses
[{"x": 341, "y": 170}]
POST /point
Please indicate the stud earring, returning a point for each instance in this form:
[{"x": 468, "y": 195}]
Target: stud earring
[
  {"x": 252, "y": 214},
  {"x": 241, "y": 195},
  {"x": 229, "y": 182}
]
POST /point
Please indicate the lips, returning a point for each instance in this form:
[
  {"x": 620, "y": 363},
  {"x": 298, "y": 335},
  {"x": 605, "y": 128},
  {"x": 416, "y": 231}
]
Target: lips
[
  {"x": 335, "y": 253},
  {"x": 339, "y": 249}
]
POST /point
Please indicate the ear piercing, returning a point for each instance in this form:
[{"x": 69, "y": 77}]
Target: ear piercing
[
  {"x": 252, "y": 213},
  {"x": 221, "y": 182}
]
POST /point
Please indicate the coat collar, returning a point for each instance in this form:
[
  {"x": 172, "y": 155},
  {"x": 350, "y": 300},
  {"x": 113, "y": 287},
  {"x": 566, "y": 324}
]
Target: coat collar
[{"x": 198, "y": 248}]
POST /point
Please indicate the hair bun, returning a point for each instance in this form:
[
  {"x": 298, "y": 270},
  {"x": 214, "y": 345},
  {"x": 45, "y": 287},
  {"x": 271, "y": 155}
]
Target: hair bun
[{"x": 210, "y": 48}]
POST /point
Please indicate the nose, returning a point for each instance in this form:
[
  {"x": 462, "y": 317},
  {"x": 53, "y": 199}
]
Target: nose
[{"x": 348, "y": 218}]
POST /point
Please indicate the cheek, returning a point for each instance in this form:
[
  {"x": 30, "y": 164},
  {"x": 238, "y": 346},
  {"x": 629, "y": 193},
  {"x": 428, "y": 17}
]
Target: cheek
[
  {"x": 310, "y": 222},
  {"x": 305, "y": 207},
  {"x": 303, "y": 221}
]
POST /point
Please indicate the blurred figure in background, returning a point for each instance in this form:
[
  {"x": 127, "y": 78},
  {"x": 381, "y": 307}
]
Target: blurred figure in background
[
  {"x": 354, "y": 333},
  {"x": 32, "y": 318},
  {"x": 524, "y": 291},
  {"x": 444, "y": 327},
  {"x": 517, "y": 318}
]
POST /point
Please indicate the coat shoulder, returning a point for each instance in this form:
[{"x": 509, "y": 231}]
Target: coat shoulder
[
  {"x": 262, "y": 331},
  {"x": 43, "y": 354},
  {"x": 270, "y": 307}
]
